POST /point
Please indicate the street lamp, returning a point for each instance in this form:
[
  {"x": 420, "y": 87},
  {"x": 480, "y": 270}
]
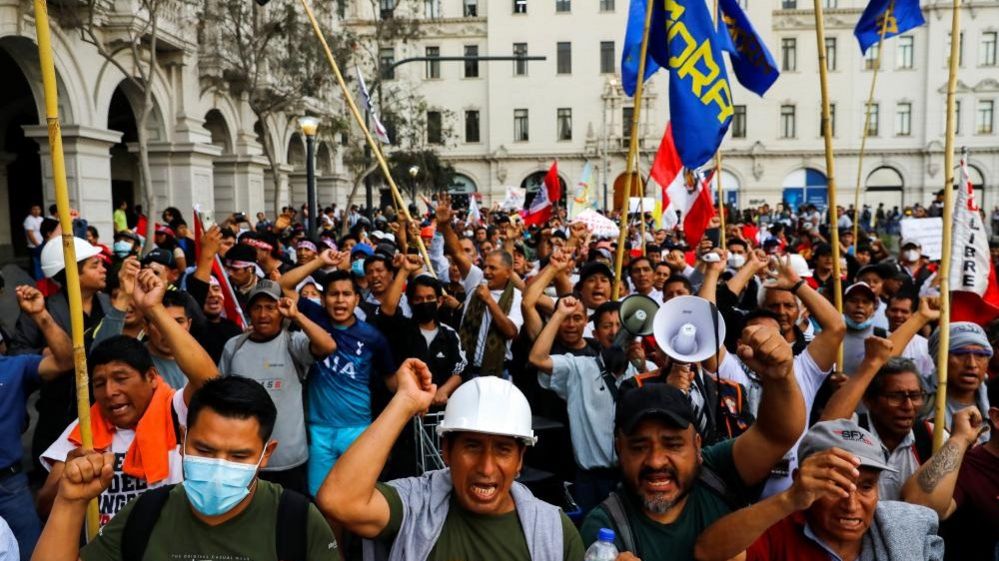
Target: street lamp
[
  {"x": 413, "y": 172},
  {"x": 309, "y": 126}
]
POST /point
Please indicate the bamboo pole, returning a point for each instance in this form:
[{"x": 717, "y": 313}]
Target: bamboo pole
[
  {"x": 948, "y": 215},
  {"x": 68, "y": 244},
  {"x": 718, "y": 158},
  {"x": 375, "y": 147},
  {"x": 632, "y": 150},
  {"x": 640, "y": 185},
  {"x": 867, "y": 122},
  {"x": 820, "y": 38}
]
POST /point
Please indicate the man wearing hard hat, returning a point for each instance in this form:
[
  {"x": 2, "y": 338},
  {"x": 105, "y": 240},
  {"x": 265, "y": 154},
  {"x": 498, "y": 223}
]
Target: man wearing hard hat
[{"x": 471, "y": 510}]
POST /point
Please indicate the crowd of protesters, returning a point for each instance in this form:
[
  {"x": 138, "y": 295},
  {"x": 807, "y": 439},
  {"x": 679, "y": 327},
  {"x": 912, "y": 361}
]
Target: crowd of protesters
[{"x": 272, "y": 408}]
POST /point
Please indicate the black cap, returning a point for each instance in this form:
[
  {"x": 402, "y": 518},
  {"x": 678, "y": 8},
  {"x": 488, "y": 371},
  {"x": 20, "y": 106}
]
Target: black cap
[
  {"x": 878, "y": 269},
  {"x": 822, "y": 249},
  {"x": 595, "y": 268},
  {"x": 162, "y": 256},
  {"x": 656, "y": 399},
  {"x": 241, "y": 252}
]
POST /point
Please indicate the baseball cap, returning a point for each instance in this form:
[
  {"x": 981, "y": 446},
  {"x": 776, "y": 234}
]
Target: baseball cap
[
  {"x": 845, "y": 435},
  {"x": 862, "y": 287},
  {"x": 266, "y": 287},
  {"x": 161, "y": 229},
  {"x": 822, "y": 249},
  {"x": 362, "y": 248},
  {"x": 162, "y": 256},
  {"x": 656, "y": 400},
  {"x": 910, "y": 241},
  {"x": 595, "y": 268}
]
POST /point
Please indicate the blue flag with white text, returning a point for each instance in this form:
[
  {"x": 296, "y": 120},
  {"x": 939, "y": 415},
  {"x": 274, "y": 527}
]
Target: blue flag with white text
[
  {"x": 752, "y": 62},
  {"x": 700, "y": 99},
  {"x": 902, "y": 15}
]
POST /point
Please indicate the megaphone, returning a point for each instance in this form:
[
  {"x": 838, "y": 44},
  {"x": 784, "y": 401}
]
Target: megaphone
[
  {"x": 689, "y": 329},
  {"x": 637, "y": 314}
]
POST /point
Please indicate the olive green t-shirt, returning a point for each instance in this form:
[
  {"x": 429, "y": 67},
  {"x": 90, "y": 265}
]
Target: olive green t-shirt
[
  {"x": 179, "y": 535},
  {"x": 674, "y": 542},
  {"x": 470, "y": 536}
]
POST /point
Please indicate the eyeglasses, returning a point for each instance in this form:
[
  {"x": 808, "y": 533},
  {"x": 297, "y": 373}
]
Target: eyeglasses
[{"x": 898, "y": 398}]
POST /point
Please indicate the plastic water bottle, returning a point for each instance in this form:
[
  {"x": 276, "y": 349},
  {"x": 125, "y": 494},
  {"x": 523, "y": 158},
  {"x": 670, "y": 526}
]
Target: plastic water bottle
[{"x": 603, "y": 549}]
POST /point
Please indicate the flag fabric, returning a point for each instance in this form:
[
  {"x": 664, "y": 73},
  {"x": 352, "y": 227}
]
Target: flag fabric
[
  {"x": 230, "y": 305},
  {"x": 582, "y": 196},
  {"x": 473, "y": 209},
  {"x": 905, "y": 15},
  {"x": 553, "y": 184},
  {"x": 540, "y": 210},
  {"x": 752, "y": 62},
  {"x": 514, "y": 199},
  {"x": 378, "y": 129},
  {"x": 700, "y": 98},
  {"x": 974, "y": 290},
  {"x": 685, "y": 193}
]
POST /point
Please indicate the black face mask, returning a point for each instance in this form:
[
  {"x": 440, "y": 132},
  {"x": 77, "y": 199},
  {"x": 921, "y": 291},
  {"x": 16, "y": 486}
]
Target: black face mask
[{"x": 424, "y": 311}]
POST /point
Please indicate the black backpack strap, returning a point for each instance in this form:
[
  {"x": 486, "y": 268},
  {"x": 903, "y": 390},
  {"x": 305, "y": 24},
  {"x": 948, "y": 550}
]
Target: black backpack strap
[
  {"x": 613, "y": 505},
  {"x": 713, "y": 481},
  {"x": 292, "y": 526},
  {"x": 924, "y": 441},
  {"x": 141, "y": 521}
]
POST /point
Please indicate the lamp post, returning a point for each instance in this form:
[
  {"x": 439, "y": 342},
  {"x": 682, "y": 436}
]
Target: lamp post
[
  {"x": 309, "y": 126},
  {"x": 413, "y": 172}
]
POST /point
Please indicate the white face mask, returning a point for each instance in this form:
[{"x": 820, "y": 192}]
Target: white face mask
[
  {"x": 911, "y": 255},
  {"x": 736, "y": 260}
]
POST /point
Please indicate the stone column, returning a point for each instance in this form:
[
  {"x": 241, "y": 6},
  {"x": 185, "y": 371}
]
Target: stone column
[
  {"x": 182, "y": 175},
  {"x": 239, "y": 185},
  {"x": 87, "y": 151}
]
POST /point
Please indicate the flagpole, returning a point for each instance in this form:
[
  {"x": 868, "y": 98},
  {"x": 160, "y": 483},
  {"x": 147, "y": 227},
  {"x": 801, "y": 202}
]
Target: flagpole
[
  {"x": 948, "y": 216},
  {"x": 632, "y": 150},
  {"x": 718, "y": 158},
  {"x": 867, "y": 121},
  {"x": 375, "y": 147},
  {"x": 51, "y": 92},
  {"x": 820, "y": 38},
  {"x": 641, "y": 200}
]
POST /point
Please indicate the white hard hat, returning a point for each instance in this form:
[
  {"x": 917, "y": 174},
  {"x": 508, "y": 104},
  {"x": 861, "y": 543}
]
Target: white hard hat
[
  {"x": 52, "y": 257},
  {"x": 799, "y": 265},
  {"x": 489, "y": 405}
]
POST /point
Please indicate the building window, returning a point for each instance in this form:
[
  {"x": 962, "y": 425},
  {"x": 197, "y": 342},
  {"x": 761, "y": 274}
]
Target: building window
[
  {"x": 386, "y": 58},
  {"x": 829, "y": 4},
  {"x": 435, "y": 128},
  {"x": 563, "y": 58},
  {"x": 433, "y": 66},
  {"x": 960, "y": 49},
  {"x": 789, "y": 54},
  {"x": 903, "y": 119},
  {"x": 832, "y": 120},
  {"x": 564, "y": 124},
  {"x": 520, "y": 66},
  {"x": 787, "y": 121},
  {"x": 520, "y": 129},
  {"x": 871, "y": 57},
  {"x": 432, "y": 9},
  {"x": 471, "y": 66},
  {"x": 387, "y": 7},
  {"x": 739, "y": 121},
  {"x": 957, "y": 116},
  {"x": 983, "y": 120},
  {"x": 471, "y": 126},
  {"x": 607, "y": 57},
  {"x": 606, "y": 5},
  {"x": 904, "y": 54},
  {"x": 471, "y": 8},
  {"x": 627, "y": 114},
  {"x": 830, "y": 53},
  {"x": 789, "y": 4},
  {"x": 989, "y": 48},
  {"x": 563, "y": 6},
  {"x": 872, "y": 122},
  {"x": 520, "y": 6}
]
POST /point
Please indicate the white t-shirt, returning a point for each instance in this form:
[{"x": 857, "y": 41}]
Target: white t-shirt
[
  {"x": 33, "y": 224},
  {"x": 918, "y": 350},
  {"x": 123, "y": 487},
  {"x": 475, "y": 278}
]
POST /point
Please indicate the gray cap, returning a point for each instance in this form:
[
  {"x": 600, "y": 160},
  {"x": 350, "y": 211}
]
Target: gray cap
[
  {"x": 962, "y": 334},
  {"x": 845, "y": 435},
  {"x": 267, "y": 288}
]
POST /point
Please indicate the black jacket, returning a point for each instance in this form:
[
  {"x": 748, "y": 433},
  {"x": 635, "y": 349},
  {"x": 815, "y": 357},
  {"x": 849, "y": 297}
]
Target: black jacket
[{"x": 444, "y": 355}]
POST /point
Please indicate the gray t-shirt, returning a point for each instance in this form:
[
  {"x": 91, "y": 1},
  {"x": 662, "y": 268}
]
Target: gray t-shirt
[
  {"x": 169, "y": 371},
  {"x": 280, "y": 365}
]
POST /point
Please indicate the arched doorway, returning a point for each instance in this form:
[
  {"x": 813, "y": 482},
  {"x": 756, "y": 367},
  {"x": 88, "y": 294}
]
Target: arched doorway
[
  {"x": 533, "y": 182},
  {"x": 21, "y": 179},
  {"x": 125, "y": 179},
  {"x": 621, "y": 188},
  {"x": 806, "y": 186},
  {"x": 730, "y": 186},
  {"x": 462, "y": 187},
  {"x": 884, "y": 187},
  {"x": 223, "y": 168}
]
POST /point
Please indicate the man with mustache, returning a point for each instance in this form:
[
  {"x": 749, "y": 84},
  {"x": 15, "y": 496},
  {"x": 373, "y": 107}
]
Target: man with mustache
[{"x": 673, "y": 488}]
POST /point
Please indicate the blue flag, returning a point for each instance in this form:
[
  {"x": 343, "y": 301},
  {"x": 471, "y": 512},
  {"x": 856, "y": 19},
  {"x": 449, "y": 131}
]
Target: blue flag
[
  {"x": 904, "y": 15},
  {"x": 752, "y": 62},
  {"x": 683, "y": 39}
]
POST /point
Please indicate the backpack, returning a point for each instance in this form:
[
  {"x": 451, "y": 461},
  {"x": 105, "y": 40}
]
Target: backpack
[{"x": 290, "y": 532}]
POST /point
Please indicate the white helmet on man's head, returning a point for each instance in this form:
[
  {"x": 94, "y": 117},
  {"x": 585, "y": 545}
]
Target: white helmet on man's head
[
  {"x": 489, "y": 405},
  {"x": 52, "y": 255}
]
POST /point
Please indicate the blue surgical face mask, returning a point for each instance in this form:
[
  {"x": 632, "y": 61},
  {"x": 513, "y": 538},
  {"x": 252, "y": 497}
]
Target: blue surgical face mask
[
  {"x": 357, "y": 267},
  {"x": 122, "y": 249},
  {"x": 315, "y": 300},
  {"x": 215, "y": 486},
  {"x": 858, "y": 326}
]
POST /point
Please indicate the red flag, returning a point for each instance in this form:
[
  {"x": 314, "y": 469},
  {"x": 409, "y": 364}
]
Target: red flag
[
  {"x": 233, "y": 311},
  {"x": 974, "y": 290},
  {"x": 540, "y": 210},
  {"x": 553, "y": 184},
  {"x": 684, "y": 190}
]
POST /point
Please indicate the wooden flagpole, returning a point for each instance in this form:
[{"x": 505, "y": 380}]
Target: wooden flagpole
[
  {"x": 820, "y": 37},
  {"x": 68, "y": 244},
  {"x": 940, "y": 405},
  {"x": 718, "y": 168},
  {"x": 632, "y": 150},
  {"x": 867, "y": 122}
]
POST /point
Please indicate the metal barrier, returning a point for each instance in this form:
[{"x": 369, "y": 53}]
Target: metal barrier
[{"x": 428, "y": 442}]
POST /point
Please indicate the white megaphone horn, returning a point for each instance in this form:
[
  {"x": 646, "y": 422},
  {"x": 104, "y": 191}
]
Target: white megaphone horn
[{"x": 689, "y": 329}]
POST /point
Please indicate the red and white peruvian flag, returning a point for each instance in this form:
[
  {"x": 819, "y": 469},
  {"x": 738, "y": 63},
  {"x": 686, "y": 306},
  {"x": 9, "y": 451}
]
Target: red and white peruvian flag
[
  {"x": 684, "y": 190},
  {"x": 231, "y": 307},
  {"x": 540, "y": 210},
  {"x": 974, "y": 290}
]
